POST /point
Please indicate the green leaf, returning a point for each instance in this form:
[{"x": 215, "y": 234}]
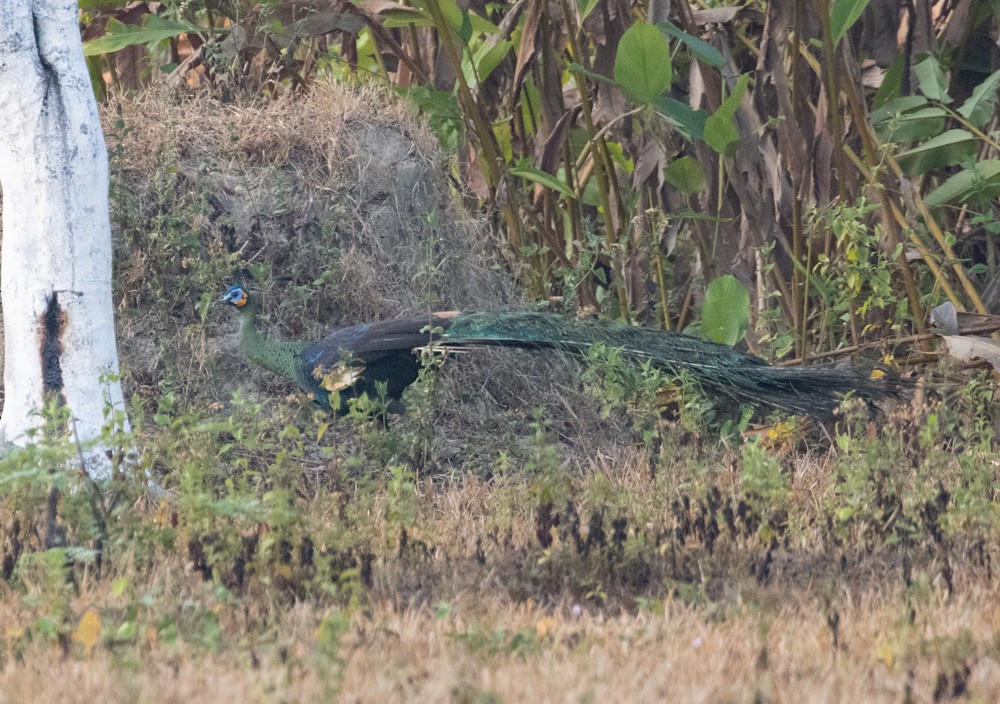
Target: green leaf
[
  {"x": 118, "y": 35},
  {"x": 843, "y": 15},
  {"x": 457, "y": 18},
  {"x": 933, "y": 83},
  {"x": 732, "y": 101},
  {"x": 908, "y": 119},
  {"x": 530, "y": 173},
  {"x": 689, "y": 122},
  {"x": 686, "y": 175},
  {"x": 642, "y": 63},
  {"x": 586, "y": 7},
  {"x": 951, "y": 147},
  {"x": 488, "y": 59},
  {"x": 905, "y": 104},
  {"x": 577, "y": 68},
  {"x": 918, "y": 125},
  {"x": 726, "y": 313},
  {"x": 404, "y": 17},
  {"x": 481, "y": 25},
  {"x": 96, "y": 77},
  {"x": 981, "y": 179},
  {"x": 892, "y": 83},
  {"x": 706, "y": 53},
  {"x": 982, "y": 104},
  {"x": 721, "y": 135},
  {"x": 91, "y": 4},
  {"x": 720, "y": 132}
]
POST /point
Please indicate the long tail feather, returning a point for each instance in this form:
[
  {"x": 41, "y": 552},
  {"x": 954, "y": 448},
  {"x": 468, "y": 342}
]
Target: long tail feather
[{"x": 814, "y": 391}]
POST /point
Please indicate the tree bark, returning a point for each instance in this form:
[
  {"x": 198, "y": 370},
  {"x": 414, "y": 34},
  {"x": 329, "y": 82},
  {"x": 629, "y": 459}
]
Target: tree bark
[{"x": 56, "y": 255}]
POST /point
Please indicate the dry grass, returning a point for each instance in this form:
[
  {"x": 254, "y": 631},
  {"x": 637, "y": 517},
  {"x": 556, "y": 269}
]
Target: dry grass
[
  {"x": 337, "y": 206},
  {"x": 438, "y": 623},
  {"x": 785, "y": 655}
]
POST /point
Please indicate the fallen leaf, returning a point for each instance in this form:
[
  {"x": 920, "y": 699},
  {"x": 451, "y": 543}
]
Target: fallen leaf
[
  {"x": 88, "y": 630},
  {"x": 966, "y": 348}
]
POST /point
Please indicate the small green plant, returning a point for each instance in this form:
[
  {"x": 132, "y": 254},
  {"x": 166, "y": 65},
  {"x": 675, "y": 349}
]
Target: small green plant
[
  {"x": 622, "y": 386},
  {"x": 766, "y": 488},
  {"x": 544, "y": 461},
  {"x": 855, "y": 288},
  {"x": 770, "y": 322},
  {"x": 400, "y": 507},
  {"x": 420, "y": 399}
]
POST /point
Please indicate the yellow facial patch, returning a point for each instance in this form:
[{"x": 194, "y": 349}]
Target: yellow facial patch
[
  {"x": 243, "y": 300},
  {"x": 341, "y": 377}
]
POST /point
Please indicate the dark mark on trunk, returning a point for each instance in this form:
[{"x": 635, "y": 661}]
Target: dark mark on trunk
[{"x": 53, "y": 323}]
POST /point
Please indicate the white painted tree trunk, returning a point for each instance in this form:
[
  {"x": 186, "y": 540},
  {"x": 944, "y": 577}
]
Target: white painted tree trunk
[{"x": 55, "y": 269}]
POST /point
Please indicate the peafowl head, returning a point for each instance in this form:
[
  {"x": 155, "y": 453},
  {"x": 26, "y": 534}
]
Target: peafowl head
[{"x": 236, "y": 296}]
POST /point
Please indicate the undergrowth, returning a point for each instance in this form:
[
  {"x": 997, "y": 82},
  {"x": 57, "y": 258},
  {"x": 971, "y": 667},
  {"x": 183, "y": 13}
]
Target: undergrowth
[{"x": 267, "y": 506}]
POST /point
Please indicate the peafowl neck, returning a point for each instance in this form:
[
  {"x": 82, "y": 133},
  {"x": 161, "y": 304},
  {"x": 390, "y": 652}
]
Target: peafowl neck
[{"x": 281, "y": 357}]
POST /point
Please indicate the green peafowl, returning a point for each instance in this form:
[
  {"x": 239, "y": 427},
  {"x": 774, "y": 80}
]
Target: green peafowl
[{"x": 352, "y": 360}]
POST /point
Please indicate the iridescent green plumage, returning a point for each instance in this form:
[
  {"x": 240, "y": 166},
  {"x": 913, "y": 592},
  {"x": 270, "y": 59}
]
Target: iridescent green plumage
[
  {"x": 283, "y": 357},
  {"x": 353, "y": 359}
]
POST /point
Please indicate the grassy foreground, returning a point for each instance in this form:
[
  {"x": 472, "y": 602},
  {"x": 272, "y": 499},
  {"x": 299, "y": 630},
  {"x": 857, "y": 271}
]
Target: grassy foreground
[{"x": 282, "y": 568}]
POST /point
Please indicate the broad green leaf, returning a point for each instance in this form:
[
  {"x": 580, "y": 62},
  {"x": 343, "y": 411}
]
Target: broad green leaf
[
  {"x": 916, "y": 126},
  {"x": 732, "y": 101},
  {"x": 461, "y": 21},
  {"x": 118, "y": 35},
  {"x": 898, "y": 105},
  {"x": 951, "y": 147},
  {"x": 707, "y": 53},
  {"x": 686, "y": 175},
  {"x": 489, "y": 58},
  {"x": 530, "y": 173},
  {"x": 981, "y": 179},
  {"x": 404, "y": 17},
  {"x": 720, "y": 131},
  {"x": 642, "y": 63},
  {"x": 721, "y": 135},
  {"x": 586, "y": 7},
  {"x": 591, "y": 194},
  {"x": 933, "y": 83},
  {"x": 457, "y": 18},
  {"x": 726, "y": 312},
  {"x": 908, "y": 119},
  {"x": 689, "y": 122},
  {"x": 843, "y": 15},
  {"x": 481, "y": 25},
  {"x": 982, "y": 104},
  {"x": 892, "y": 83}
]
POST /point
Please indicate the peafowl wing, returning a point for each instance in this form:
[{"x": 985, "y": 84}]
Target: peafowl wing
[{"x": 351, "y": 361}]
